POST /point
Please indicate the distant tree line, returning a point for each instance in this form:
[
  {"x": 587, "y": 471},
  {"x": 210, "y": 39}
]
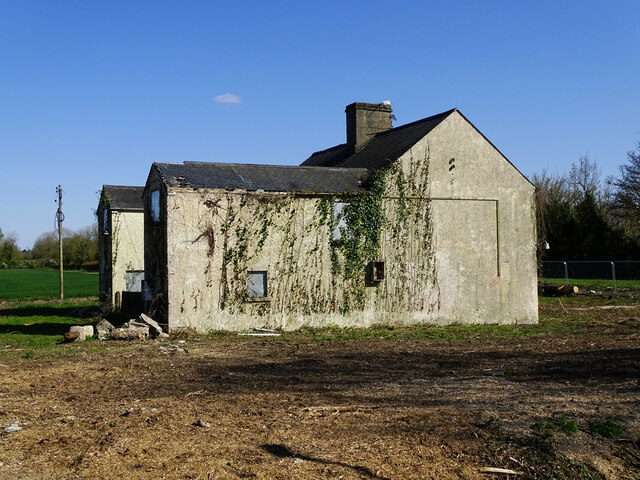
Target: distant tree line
[
  {"x": 580, "y": 217},
  {"x": 80, "y": 250}
]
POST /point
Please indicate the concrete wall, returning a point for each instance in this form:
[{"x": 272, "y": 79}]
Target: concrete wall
[
  {"x": 483, "y": 220},
  {"x": 217, "y": 237},
  {"x": 120, "y": 249},
  {"x": 127, "y": 247},
  {"x": 458, "y": 244}
]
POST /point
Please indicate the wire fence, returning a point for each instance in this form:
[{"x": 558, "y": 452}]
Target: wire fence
[{"x": 604, "y": 270}]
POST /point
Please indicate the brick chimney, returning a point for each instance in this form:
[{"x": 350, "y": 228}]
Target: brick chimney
[{"x": 365, "y": 119}]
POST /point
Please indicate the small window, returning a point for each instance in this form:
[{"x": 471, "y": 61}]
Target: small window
[
  {"x": 133, "y": 280},
  {"x": 375, "y": 274},
  {"x": 257, "y": 284},
  {"x": 378, "y": 271},
  {"x": 339, "y": 222},
  {"x": 155, "y": 205}
]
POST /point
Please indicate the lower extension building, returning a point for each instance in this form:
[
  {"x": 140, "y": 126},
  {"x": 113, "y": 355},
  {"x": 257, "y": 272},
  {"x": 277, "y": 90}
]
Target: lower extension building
[
  {"x": 121, "y": 246},
  {"x": 422, "y": 223}
]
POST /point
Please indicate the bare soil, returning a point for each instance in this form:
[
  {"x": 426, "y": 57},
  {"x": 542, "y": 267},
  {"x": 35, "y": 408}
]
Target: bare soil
[{"x": 247, "y": 407}]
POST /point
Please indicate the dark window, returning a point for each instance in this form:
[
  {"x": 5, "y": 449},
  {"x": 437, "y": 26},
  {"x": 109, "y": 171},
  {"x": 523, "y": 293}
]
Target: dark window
[
  {"x": 105, "y": 222},
  {"x": 155, "y": 205}
]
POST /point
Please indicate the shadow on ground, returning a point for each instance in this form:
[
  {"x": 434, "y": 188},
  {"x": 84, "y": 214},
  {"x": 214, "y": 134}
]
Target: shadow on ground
[
  {"x": 281, "y": 451},
  {"x": 44, "y": 328}
]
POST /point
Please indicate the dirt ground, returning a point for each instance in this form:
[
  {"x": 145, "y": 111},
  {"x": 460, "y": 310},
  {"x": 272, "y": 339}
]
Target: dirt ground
[{"x": 247, "y": 407}]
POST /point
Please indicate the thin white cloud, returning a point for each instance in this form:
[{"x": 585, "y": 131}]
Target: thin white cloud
[{"x": 228, "y": 98}]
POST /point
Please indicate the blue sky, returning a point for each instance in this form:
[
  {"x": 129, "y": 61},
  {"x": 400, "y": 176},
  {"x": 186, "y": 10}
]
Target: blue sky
[{"x": 92, "y": 93}]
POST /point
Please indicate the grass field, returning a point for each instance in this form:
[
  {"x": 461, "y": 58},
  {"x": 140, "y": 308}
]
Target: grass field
[
  {"x": 39, "y": 325},
  {"x": 18, "y": 285}
]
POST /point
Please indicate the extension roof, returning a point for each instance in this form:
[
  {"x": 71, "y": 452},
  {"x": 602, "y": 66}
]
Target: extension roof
[
  {"x": 382, "y": 149},
  {"x": 120, "y": 197},
  {"x": 269, "y": 178}
]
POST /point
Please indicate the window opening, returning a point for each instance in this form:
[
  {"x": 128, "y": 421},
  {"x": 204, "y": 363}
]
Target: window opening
[
  {"x": 257, "y": 284},
  {"x": 155, "y": 205},
  {"x": 105, "y": 221},
  {"x": 338, "y": 220}
]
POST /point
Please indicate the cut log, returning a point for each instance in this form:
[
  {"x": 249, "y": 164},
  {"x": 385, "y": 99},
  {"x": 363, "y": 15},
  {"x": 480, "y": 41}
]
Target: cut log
[
  {"x": 551, "y": 290},
  {"x": 567, "y": 289},
  {"x": 71, "y": 336}
]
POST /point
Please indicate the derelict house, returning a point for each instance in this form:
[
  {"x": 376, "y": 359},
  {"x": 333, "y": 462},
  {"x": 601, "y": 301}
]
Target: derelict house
[
  {"x": 121, "y": 245},
  {"x": 422, "y": 223}
]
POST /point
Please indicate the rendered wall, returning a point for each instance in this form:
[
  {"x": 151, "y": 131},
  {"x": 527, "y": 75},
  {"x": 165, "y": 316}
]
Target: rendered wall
[
  {"x": 456, "y": 231},
  {"x": 483, "y": 221},
  {"x": 127, "y": 248}
]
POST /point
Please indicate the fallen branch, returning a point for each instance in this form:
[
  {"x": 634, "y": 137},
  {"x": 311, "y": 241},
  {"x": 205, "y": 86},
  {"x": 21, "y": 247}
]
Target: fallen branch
[
  {"x": 339, "y": 409},
  {"x": 506, "y": 471},
  {"x": 560, "y": 302}
]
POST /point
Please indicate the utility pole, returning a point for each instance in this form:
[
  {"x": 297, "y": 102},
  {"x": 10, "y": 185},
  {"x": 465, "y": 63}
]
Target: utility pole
[{"x": 60, "y": 219}]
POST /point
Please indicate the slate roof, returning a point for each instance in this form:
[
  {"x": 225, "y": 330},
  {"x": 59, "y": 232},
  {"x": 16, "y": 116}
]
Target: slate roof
[
  {"x": 382, "y": 149},
  {"x": 120, "y": 197},
  {"x": 329, "y": 157},
  {"x": 270, "y": 178}
]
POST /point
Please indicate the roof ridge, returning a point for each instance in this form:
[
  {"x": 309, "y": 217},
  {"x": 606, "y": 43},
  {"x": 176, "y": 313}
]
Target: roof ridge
[
  {"x": 400, "y": 127},
  {"x": 122, "y": 186},
  {"x": 262, "y": 165},
  {"x": 328, "y": 149}
]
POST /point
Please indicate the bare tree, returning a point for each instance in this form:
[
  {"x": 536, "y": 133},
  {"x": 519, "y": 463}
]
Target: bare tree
[
  {"x": 626, "y": 196},
  {"x": 584, "y": 178}
]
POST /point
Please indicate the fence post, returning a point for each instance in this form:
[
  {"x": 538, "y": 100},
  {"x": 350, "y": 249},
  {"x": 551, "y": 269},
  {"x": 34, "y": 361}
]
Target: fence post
[
  {"x": 613, "y": 277},
  {"x": 566, "y": 273}
]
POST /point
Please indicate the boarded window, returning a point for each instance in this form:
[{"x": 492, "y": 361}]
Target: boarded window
[
  {"x": 340, "y": 225},
  {"x": 155, "y": 205},
  {"x": 257, "y": 284}
]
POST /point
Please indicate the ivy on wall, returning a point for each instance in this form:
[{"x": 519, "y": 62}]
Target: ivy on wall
[{"x": 309, "y": 271}]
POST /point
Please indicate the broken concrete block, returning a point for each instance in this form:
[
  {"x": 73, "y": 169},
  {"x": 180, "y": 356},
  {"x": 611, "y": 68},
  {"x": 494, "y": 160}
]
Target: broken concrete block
[
  {"x": 104, "y": 329},
  {"x": 154, "y": 327},
  {"x": 84, "y": 331},
  {"x": 131, "y": 331}
]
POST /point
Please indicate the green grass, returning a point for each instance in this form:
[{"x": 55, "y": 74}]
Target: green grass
[
  {"x": 36, "y": 326},
  {"x": 606, "y": 428},
  {"x": 594, "y": 282},
  {"x": 23, "y": 285},
  {"x": 546, "y": 327}
]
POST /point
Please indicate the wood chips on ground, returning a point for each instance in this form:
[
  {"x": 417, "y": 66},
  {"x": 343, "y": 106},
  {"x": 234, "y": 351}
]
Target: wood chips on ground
[{"x": 371, "y": 409}]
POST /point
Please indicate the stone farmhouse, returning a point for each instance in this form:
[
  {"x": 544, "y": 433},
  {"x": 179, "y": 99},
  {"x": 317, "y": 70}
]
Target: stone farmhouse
[
  {"x": 422, "y": 223},
  {"x": 121, "y": 245}
]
